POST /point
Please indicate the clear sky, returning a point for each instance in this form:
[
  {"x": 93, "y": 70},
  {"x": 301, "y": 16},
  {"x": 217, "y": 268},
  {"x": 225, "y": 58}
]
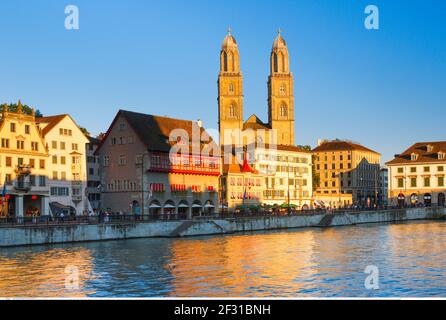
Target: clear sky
[{"x": 384, "y": 88}]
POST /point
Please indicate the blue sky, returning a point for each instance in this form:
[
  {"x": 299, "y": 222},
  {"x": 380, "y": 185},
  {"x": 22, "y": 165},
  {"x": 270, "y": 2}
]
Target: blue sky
[{"x": 385, "y": 89}]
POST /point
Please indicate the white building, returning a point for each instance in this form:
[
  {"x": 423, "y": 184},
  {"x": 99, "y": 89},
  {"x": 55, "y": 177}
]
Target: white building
[
  {"x": 66, "y": 167},
  {"x": 418, "y": 175},
  {"x": 286, "y": 170},
  {"x": 93, "y": 174}
]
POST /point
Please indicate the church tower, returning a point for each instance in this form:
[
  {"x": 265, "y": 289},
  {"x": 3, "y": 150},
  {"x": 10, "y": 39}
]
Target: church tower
[
  {"x": 230, "y": 90},
  {"x": 280, "y": 93}
]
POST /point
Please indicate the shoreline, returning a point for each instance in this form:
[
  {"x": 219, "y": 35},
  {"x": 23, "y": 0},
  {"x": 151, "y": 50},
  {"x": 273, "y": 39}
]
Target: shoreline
[{"x": 17, "y": 236}]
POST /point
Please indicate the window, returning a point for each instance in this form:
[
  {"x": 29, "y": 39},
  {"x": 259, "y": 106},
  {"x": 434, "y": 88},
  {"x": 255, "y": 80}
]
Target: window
[
  {"x": 413, "y": 182},
  {"x": 5, "y": 143},
  {"x": 62, "y": 145},
  {"x": 34, "y": 146},
  {"x": 283, "y": 110},
  {"x": 233, "y": 111},
  {"x": 32, "y": 163},
  {"x": 12, "y": 127},
  {"x": 122, "y": 160},
  {"x": 426, "y": 169},
  {"x": 413, "y": 169},
  {"x": 440, "y": 168},
  {"x": 400, "y": 170},
  {"x": 54, "y": 144},
  {"x": 42, "y": 181},
  {"x": 413, "y": 156},
  {"x": 231, "y": 88},
  {"x": 400, "y": 183},
  {"x": 63, "y": 176},
  {"x": 122, "y": 125},
  {"x": 55, "y": 175},
  {"x": 20, "y": 145},
  {"x": 427, "y": 182},
  {"x": 441, "y": 181},
  {"x": 74, "y": 146},
  {"x": 27, "y": 130},
  {"x": 441, "y": 156},
  {"x": 106, "y": 160},
  {"x": 42, "y": 164},
  {"x": 54, "y": 159},
  {"x": 63, "y": 160}
]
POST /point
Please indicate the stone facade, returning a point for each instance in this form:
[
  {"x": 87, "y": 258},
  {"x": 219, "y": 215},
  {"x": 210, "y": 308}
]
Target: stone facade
[{"x": 347, "y": 173}]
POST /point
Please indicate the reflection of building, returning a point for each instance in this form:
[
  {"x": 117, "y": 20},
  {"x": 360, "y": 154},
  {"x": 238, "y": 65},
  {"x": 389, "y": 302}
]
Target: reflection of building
[
  {"x": 347, "y": 173},
  {"x": 417, "y": 175},
  {"x": 141, "y": 168},
  {"x": 66, "y": 163},
  {"x": 23, "y": 165},
  {"x": 93, "y": 174},
  {"x": 383, "y": 186},
  {"x": 280, "y": 98}
]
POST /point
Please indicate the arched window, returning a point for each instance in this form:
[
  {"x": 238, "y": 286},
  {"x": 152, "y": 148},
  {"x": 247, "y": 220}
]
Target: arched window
[
  {"x": 233, "y": 111},
  {"x": 225, "y": 61},
  {"x": 276, "y": 64},
  {"x": 231, "y": 88},
  {"x": 283, "y": 110}
]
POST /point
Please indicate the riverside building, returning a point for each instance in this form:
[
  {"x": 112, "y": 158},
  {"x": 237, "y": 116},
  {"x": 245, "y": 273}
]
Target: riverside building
[
  {"x": 345, "y": 173},
  {"x": 159, "y": 166},
  {"x": 417, "y": 175}
]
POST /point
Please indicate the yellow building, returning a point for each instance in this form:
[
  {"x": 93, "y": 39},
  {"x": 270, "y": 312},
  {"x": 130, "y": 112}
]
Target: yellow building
[
  {"x": 23, "y": 165},
  {"x": 280, "y": 127},
  {"x": 418, "y": 175},
  {"x": 345, "y": 173}
]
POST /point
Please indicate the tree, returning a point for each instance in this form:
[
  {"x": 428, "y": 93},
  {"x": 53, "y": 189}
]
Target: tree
[
  {"x": 85, "y": 131},
  {"x": 305, "y": 147},
  {"x": 12, "y": 107}
]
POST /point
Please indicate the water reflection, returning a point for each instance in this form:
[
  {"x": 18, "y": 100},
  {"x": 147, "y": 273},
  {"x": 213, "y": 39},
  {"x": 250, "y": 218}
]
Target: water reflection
[{"x": 314, "y": 262}]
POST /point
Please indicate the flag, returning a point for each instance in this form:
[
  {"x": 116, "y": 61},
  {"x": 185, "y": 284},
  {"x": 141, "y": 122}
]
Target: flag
[{"x": 4, "y": 190}]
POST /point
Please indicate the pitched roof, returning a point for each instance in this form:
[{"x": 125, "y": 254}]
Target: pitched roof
[
  {"x": 255, "y": 123},
  {"x": 154, "y": 131},
  {"x": 424, "y": 154},
  {"x": 51, "y": 121},
  {"x": 341, "y": 145}
]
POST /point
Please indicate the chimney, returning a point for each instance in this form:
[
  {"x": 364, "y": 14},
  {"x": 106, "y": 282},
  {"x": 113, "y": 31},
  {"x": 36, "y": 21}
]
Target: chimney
[
  {"x": 319, "y": 141},
  {"x": 200, "y": 123}
]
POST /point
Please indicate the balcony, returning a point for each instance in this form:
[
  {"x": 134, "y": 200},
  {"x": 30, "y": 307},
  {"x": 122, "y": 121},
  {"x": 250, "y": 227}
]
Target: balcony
[
  {"x": 76, "y": 198},
  {"x": 22, "y": 186},
  {"x": 23, "y": 169},
  {"x": 76, "y": 183}
]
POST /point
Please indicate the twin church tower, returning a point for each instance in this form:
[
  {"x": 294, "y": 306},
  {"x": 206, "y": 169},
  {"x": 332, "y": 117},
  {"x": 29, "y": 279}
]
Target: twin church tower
[{"x": 280, "y": 96}]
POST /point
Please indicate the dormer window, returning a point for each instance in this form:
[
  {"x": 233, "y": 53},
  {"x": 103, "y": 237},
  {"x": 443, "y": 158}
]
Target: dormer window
[
  {"x": 430, "y": 148},
  {"x": 441, "y": 156},
  {"x": 413, "y": 156}
]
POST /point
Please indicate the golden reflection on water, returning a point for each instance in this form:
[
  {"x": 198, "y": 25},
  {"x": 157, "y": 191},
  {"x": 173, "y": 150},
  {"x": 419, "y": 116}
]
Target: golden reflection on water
[
  {"x": 43, "y": 274},
  {"x": 308, "y": 262}
]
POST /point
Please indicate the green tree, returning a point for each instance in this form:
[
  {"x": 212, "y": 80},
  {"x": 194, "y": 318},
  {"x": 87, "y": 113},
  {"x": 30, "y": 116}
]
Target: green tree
[
  {"x": 305, "y": 147},
  {"x": 12, "y": 107},
  {"x": 85, "y": 131}
]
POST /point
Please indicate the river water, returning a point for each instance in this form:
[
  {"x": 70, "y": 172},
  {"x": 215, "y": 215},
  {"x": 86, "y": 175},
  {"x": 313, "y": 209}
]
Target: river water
[{"x": 410, "y": 259}]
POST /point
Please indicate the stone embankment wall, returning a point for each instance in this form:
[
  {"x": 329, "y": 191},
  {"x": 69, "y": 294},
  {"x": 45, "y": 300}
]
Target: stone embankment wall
[{"x": 33, "y": 235}]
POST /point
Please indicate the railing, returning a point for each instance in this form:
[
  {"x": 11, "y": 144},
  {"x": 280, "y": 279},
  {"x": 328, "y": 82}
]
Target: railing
[
  {"x": 126, "y": 218},
  {"x": 22, "y": 185}
]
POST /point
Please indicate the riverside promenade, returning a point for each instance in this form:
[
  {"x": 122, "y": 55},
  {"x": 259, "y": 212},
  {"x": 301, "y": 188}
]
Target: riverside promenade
[{"x": 38, "y": 233}]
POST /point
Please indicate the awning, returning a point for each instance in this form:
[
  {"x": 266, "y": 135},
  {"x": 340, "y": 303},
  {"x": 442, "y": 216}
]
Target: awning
[
  {"x": 169, "y": 206},
  {"x": 154, "y": 205},
  {"x": 182, "y": 205},
  {"x": 209, "y": 206},
  {"x": 223, "y": 206},
  {"x": 196, "y": 206}
]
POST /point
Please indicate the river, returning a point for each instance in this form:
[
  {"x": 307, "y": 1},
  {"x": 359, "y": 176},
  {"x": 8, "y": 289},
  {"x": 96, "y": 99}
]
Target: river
[{"x": 410, "y": 259}]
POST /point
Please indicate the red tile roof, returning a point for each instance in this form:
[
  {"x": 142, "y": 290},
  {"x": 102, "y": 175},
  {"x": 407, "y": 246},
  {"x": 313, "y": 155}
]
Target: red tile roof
[
  {"x": 424, "y": 155},
  {"x": 341, "y": 145}
]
